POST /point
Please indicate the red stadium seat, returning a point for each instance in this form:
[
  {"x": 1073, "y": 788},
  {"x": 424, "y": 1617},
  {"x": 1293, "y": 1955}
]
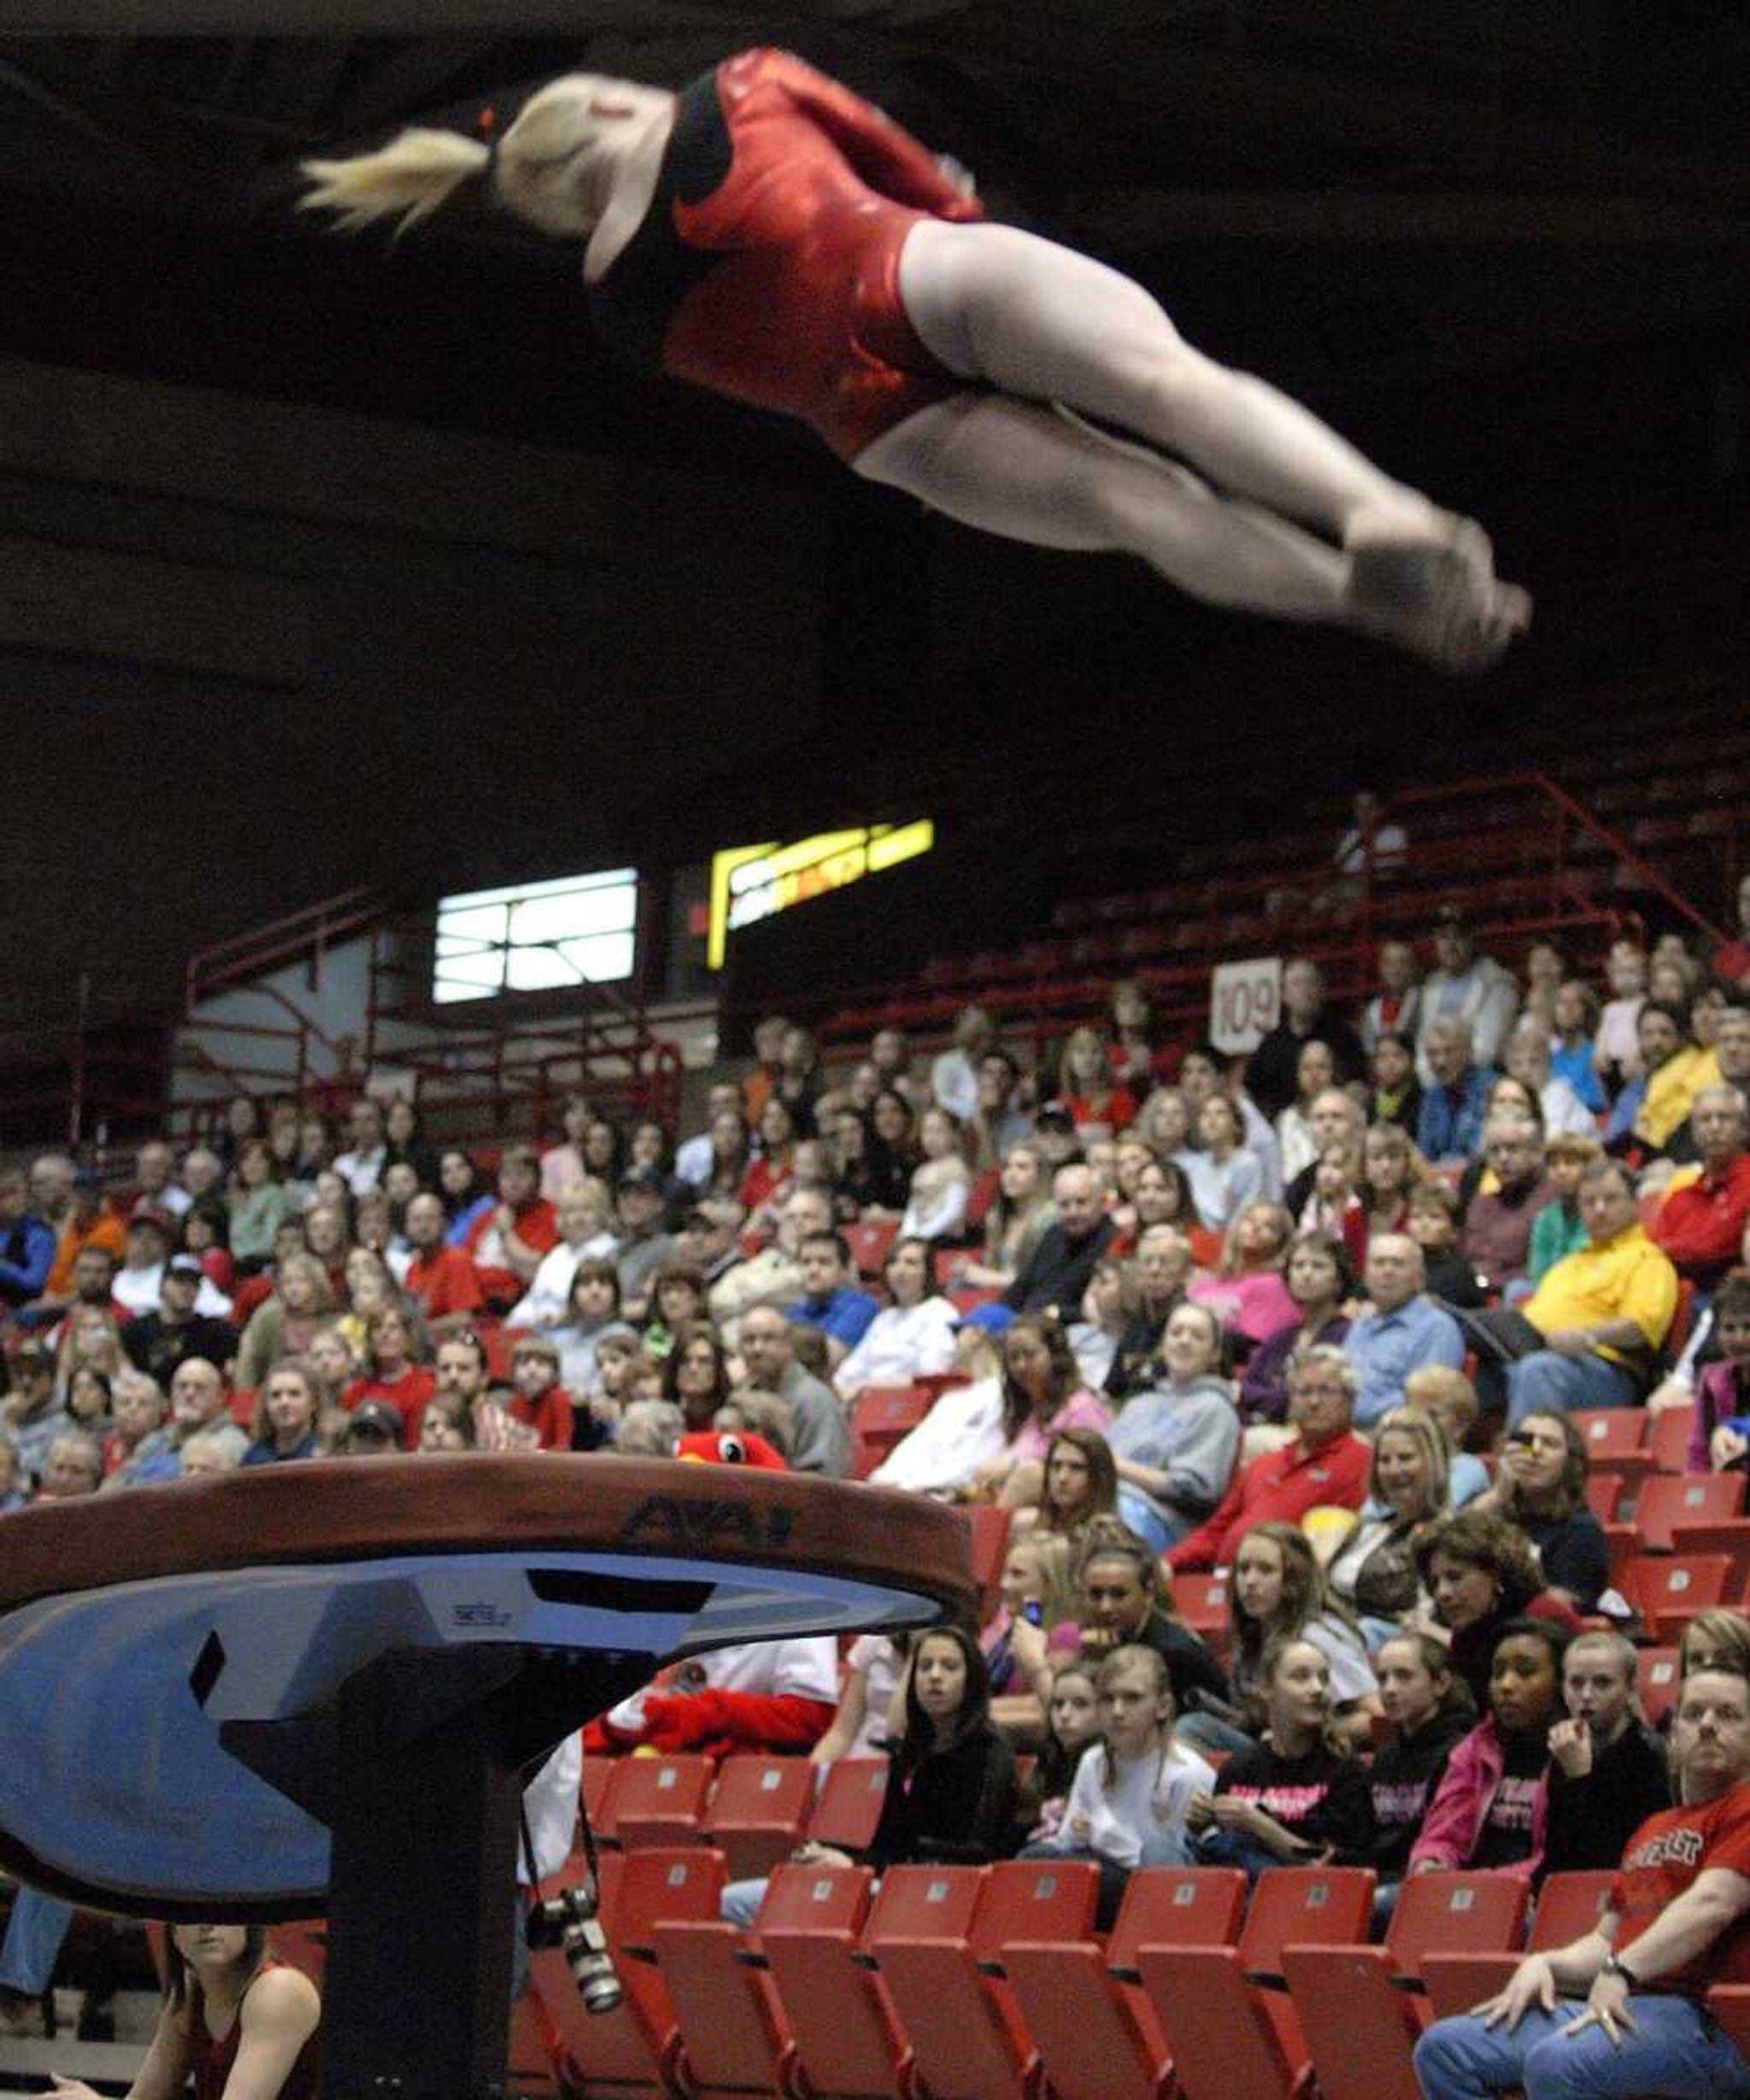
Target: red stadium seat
[
  {"x": 759, "y": 1811},
  {"x": 1611, "y": 1432},
  {"x": 1568, "y": 1907},
  {"x": 935, "y": 1383},
  {"x": 1204, "y": 1604},
  {"x": 659, "y": 1800},
  {"x": 734, "y": 2031},
  {"x": 989, "y": 1549},
  {"x": 1656, "y": 1676},
  {"x": 848, "y": 1807},
  {"x": 966, "y": 2027},
  {"x": 1230, "y": 2031},
  {"x": 869, "y": 1240},
  {"x": 1669, "y": 1590},
  {"x": 1669, "y": 1441},
  {"x": 880, "y": 1417},
  {"x": 631, "y": 2050},
  {"x": 1604, "y": 1496},
  {"x": 1731, "y": 1538},
  {"x": 1671, "y": 1499},
  {"x": 1359, "y": 2021},
  {"x": 1096, "y": 2034},
  {"x": 845, "y": 2037}
]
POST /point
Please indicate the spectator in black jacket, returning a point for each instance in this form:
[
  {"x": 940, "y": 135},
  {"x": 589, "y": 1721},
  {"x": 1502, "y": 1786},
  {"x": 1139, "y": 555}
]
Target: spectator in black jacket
[
  {"x": 1306, "y": 1016},
  {"x": 1058, "y": 1271},
  {"x": 1608, "y": 1772},
  {"x": 950, "y": 1778},
  {"x": 1429, "y": 1709}
]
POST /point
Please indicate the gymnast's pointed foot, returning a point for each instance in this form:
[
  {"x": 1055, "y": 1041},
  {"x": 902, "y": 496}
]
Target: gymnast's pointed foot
[{"x": 1456, "y": 626}]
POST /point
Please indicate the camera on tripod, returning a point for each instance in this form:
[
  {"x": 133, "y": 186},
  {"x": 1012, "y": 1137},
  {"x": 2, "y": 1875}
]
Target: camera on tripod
[{"x": 569, "y": 1922}]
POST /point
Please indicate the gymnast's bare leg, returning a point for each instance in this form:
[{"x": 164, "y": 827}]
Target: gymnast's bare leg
[{"x": 1037, "y": 321}]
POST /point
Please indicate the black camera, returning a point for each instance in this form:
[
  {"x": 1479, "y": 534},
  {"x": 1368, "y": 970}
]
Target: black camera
[{"x": 569, "y": 1922}]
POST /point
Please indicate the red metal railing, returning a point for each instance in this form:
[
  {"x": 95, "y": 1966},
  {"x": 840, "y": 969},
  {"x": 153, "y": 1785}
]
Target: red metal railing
[{"x": 305, "y": 935}]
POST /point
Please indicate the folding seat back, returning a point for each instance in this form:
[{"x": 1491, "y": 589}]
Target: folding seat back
[
  {"x": 1229, "y": 2026},
  {"x": 848, "y": 1804},
  {"x": 846, "y": 2037},
  {"x": 1671, "y": 1588},
  {"x": 869, "y": 1240},
  {"x": 990, "y": 1546},
  {"x": 1611, "y": 1432},
  {"x": 882, "y": 1415},
  {"x": 1096, "y": 2036},
  {"x": 1668, "y": 1442},
  {"x": 1354, "y": 2002},
  {"x": 1730, "y": 1537},
  {"x": 1569, "y": 1906},
  {"x": 1203, "y": 1603},
  {"x": 659, "y": 1800},
  {"x": 1670, "y": 1499},
  {"x": 631, "y": 2050},
  {"x": 1604, "y": 1496},
  {"x": 758, "y": 1811},
  {"x": 735, "y": 2034},
  {"x": 1657, "y": 1675},
  {"x": 966, "y": 2028},
  {"x": 1460, "y": 1934},
  {"x": 800, "y": 1897}
]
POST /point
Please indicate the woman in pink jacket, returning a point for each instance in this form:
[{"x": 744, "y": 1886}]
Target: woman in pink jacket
[{"x": 1492, "y": 1806}]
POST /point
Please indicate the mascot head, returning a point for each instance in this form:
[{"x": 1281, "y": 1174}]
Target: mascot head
[{"x": 730, "y": 1447}]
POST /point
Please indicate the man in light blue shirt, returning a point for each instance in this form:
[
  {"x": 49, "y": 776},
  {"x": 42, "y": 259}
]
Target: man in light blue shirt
[{"x": 1399, "y": 1331}]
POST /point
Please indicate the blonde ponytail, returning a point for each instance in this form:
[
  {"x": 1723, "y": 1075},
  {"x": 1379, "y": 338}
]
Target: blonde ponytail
[{"x": 408, "y": 179}]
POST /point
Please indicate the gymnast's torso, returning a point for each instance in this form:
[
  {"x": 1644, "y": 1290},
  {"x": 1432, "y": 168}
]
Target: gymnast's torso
[{"x": 766, "y": 267}]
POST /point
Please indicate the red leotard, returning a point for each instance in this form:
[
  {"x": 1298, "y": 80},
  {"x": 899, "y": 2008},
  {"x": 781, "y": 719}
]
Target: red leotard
[{"x": 769, "y": 257}]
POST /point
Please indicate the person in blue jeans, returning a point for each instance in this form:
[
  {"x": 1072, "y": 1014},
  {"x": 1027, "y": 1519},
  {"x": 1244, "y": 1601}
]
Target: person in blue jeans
[
  {"x": 35, "y": 1933},
  {"x": 1621, "y": 2012}
]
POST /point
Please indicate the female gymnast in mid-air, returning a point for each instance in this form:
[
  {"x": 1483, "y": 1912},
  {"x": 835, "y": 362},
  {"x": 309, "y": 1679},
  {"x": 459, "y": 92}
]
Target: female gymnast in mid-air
[{"x": 767, "y": 234}]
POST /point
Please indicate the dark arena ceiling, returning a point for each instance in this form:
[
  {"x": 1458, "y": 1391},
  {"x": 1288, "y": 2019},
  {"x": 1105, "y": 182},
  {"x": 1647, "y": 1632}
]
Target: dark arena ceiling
[{"x": 1363, "y": 200}]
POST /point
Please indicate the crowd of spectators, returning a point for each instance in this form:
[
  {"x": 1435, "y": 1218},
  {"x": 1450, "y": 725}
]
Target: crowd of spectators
[{"x": 1317, "y": 1318}]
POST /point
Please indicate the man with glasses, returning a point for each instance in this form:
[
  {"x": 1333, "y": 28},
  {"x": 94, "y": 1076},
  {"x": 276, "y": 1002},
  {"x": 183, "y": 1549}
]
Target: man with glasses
[
  {"x": 1326, "y": 1466},
  {"x": 1622, "y": 2011}
]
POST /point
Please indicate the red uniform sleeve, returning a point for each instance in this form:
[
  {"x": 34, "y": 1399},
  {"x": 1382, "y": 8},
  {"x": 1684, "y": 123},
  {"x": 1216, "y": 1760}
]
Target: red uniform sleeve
[{"x": 889, "y": 159}]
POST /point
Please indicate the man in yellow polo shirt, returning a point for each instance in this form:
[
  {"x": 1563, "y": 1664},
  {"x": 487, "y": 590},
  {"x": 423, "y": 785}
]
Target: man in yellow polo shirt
[{"x": 1600, "y": 1311}]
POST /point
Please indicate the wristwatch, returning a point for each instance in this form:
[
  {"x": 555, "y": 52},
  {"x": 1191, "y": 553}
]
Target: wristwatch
[{"x": 1614, "y": 1965}]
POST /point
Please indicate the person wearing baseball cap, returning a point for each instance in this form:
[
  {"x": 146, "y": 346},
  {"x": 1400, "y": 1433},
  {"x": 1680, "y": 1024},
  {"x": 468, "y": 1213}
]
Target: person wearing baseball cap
[
  {"x": 372, "y": 1431},
  {"x": 158, "y": 1340}
]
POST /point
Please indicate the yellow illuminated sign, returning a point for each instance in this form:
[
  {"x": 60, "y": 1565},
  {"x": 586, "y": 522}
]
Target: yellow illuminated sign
[{"x": 750, "y": 882}]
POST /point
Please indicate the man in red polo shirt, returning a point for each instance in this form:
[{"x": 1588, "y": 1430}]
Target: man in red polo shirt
[
  {"x": 1621, "y": 2010},
  {"x": 1326, "y": 1465},
  {"x": 443, "y": 1278},
  {"x": 1700, "y": 1223},
  {"x": 507, "y": 1242}
]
